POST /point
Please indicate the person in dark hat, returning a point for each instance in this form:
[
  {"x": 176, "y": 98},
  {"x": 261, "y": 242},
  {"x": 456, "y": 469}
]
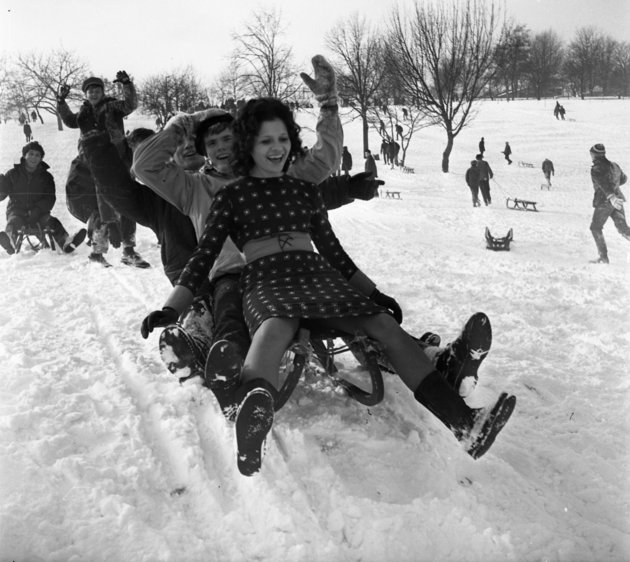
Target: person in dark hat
[
  {"x": 30, "y": 188},
  {"x": 485, "y": 175},
  {"x": 608, "y": 199},
  {"x": 84, "y": 199}
]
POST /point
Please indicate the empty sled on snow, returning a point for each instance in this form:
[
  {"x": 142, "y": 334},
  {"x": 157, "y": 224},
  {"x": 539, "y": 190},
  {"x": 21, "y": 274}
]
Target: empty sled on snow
[
  {"x": 498, "y": 244},
  {"x": 520, "y": 204}
]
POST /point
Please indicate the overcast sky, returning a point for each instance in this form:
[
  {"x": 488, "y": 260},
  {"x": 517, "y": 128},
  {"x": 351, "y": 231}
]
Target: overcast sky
[{"x": 145, "y": 37}]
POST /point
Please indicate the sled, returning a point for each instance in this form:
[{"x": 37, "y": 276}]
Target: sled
[
  {"x": 499, "y": 244},
  {"x": 38, "y": 238},
  {"x": 520, "y": 204},
  {"x": 323, "y": 345},
  {"x": 522, "y": 164},
  {"x": 392, "y": 195}
]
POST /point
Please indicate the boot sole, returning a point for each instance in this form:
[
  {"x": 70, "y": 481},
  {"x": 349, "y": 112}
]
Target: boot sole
[
  {"x": 77, "y": 239},
  {"x": 253, "y": 422},
  {"x": 175, "y": 339},
  {"x": 492, "y": 425},
  {"x": 477, "y": 338},
  {"x": 5, "y": 242}
]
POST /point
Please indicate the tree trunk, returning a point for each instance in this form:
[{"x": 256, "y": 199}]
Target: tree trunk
[
  {"x": 366, "y": 143},
  {"x": 59, "y": 123},
  {"x": 447, "y": 151}
]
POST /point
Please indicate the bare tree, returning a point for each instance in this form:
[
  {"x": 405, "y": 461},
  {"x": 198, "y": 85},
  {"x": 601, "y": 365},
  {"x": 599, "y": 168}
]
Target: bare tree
[
  {"x": 164, "y": 94},
  {"x": 545, "y": 61},
  {"x": 358, "y": 52},
  {"x": 583, "y": 54},
  {"x": 43, "y": 75},
  {"x": 443, "y": 56},
  {"x": 266, "y": 64},
  {"x": 229, "y": 84},
  {"x": 510, "y": 57},
  {"x": 621, "y": 73}
]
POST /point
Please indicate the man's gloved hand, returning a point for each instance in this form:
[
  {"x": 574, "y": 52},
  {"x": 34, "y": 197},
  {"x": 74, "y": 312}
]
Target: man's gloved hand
[
  {"x": 122, "y": 77},
  {"x": 363, "y": 186},
  {"x": 616, "y": 202},
  {"x": 324, "y": 85},
  {"x": 389, "y": 303},
  {"x": 63, "y": 93},
  {"x": 158, "y": 318},
  {"x": 113, "y": 234}
]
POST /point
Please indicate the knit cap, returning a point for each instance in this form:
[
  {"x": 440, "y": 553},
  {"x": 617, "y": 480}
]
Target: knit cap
[{"x": 598, "y": 149}]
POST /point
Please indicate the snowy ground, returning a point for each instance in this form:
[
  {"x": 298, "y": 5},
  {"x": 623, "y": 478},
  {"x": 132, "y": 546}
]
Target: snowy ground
[{"x": 104, "y": 456}]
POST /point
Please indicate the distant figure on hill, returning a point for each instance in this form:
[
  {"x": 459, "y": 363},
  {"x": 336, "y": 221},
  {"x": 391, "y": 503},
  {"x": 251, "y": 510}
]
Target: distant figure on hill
[
  {"x": 33, "y": 116},
  {"x": 608, "y": 199},
  {"x": 507, "y": 151},
  {"x": 485, "y": 175},
  {"x": 370, "y": 165},
  {"x": 548, "y": 171},
  {"x": 482, "y": 146},
  {"x": 562, "y": 112},
  {"x": 392, "y": 153},
  {"x": 399, "y": 130},
  {"x": 385, "y": 151},
  {"x": 28, "y": 132},
  {"x": 556, "y": 110},
  {"x": 346, "y": 161},
  {"x": 472, "y": 179}
]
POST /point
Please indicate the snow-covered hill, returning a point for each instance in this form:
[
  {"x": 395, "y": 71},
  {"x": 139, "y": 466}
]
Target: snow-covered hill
[{"x": 104, "y": 456}]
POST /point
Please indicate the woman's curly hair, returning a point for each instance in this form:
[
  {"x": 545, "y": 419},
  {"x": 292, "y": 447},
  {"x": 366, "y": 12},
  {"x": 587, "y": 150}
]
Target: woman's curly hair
[{"x": 247, "y": 126}]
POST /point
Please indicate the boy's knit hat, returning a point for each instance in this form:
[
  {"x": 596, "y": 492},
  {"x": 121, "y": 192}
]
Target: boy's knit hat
[
  {"x": 220, "y": 117},
  {"x": 34, "y": 145},
  {"x": 92, "y": 81},
  {"x": 598, "y": 149}
]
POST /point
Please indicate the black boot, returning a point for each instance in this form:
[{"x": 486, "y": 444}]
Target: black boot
[
  {"x": 475, "y": 428},
  {"x": 254, "y": 420},
  {"x": 222, "y": 375}
]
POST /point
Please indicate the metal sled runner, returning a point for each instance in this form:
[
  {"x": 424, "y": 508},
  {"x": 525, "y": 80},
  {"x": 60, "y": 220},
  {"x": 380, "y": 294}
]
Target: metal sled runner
[
  {"x": 323, "y": 347},
  {"x": 520, "y": 204},
  {"x": 38, "y": 238},
  {"x": 499, "y": 244}
]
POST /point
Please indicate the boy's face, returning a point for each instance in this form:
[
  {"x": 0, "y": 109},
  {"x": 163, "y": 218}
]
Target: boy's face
[
  {"x": 94, "y": 94},
  {"x": 32, "y": 159},
  {"x": 187, "y": 157},
  {"x": 220, "y": 149}
]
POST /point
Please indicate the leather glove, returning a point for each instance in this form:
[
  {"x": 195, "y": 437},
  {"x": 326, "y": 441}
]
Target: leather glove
[
  {"x": 122, "y": 77},
  {"x": 164, "y": 317},
  {"x": 63, "y": 93},
  {"x": 113, "y": 234},
  {"x": 616, "y": 202},
  {"x": 389, "y": 303},
  {"x": 324, "y": 85},
  {"x": 363, "y": 186}
]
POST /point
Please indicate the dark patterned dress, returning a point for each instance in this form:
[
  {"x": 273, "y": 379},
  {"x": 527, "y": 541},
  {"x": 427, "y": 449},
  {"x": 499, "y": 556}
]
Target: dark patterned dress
[{"x": 290, "y": 283}]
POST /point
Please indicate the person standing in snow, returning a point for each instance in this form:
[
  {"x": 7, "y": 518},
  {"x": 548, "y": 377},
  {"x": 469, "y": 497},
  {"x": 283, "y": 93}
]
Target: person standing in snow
[
  {"x": 28, "y": 132},
  {"x": 346, "y": 161},
  {"x": 482, "y": 146},
  {"x": 370, "y": 165},
  {"x": 83, "y": 198},
  {"x": 472, "y": 179},
  {"x": 608, "y": 199},
  {"x": 277, "y": 293},
  {"x": 485, "y": 175},
  {"x": 507, "y": 151},
  {"x": 548, "y": 171},
  {"x": 30, "y": 188}
]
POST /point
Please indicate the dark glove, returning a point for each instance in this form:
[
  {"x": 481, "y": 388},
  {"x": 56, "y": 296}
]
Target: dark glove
[
  {"x": 113, "y": 234},
  {"x": 389, "y": 303},
  {"x": 363, "y": 186},
  {"x": 63, "y": 93},
  {"x": 164, "y": 317},
  {"x": 324, "y": 85},
  {"x": 122, "y": 77}
]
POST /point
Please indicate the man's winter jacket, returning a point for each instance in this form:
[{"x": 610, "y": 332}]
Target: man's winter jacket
[
  {"x": 28, "y": 193},
  {"x": 607, "y": 176}
]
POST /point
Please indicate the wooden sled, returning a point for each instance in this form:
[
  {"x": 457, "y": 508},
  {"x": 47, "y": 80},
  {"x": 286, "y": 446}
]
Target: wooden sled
[
  {"x": 38, "y": 238},
  {"x": 360, "y": 346},
  {"x": 499, "y": 244},
  {"x": 520, "y": 204}
]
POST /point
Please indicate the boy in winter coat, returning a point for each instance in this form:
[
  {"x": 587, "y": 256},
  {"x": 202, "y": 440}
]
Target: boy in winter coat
[
  {"x": 548, "y": 171},
  {"x": 608, "y": 199},
  {"x": 485, "y": 175},
  {"x": 472, "y": 179},
  {"x": 370, "y": 164},
  {"x": 346, "y": 161},
  {"x": 83, "y": 196},
  {"x": 30, "y": 188}
]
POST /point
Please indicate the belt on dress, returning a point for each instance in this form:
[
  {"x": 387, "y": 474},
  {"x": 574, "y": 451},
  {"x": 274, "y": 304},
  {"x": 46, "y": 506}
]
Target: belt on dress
[{"x": 277, "y": 244}]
